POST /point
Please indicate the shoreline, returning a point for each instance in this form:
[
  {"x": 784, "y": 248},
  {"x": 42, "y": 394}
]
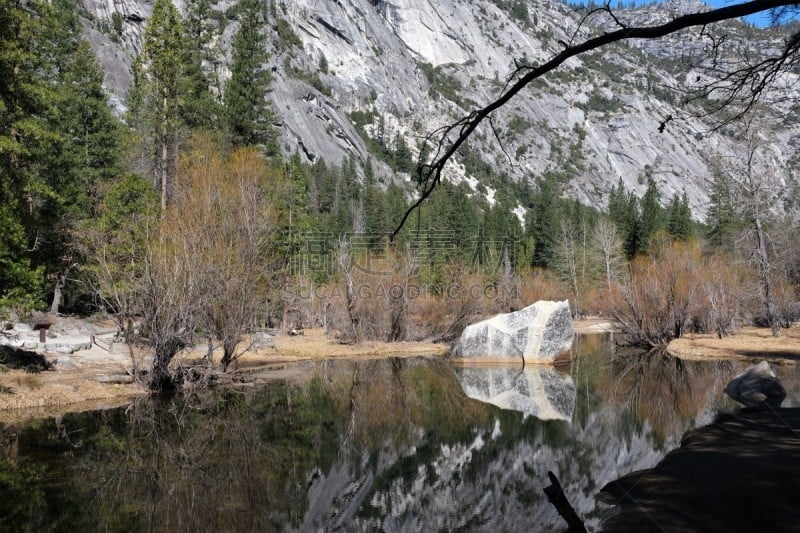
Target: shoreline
[
  {"x": 749, "y": 344},
  {"x": 97, "y": 378}
]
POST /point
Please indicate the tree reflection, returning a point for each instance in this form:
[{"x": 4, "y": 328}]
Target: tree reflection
[
  {"x": 245, "y": 459},
  {"x": 667, "y": 393}
]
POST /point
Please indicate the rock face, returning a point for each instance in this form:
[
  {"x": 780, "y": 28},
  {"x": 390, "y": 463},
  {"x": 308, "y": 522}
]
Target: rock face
[
  {"x": 536, "y": 334},
  {"x": 757, "y": 386},
  {"x": 413, "y": 66},
  {"x": 540, "y": 392}
]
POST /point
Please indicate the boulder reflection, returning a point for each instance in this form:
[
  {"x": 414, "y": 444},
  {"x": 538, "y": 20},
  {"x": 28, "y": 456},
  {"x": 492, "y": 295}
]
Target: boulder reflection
[{"x": 543, "y": 392}]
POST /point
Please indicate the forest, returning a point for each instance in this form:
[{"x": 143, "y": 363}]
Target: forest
[{"x": 183, "y": 219}]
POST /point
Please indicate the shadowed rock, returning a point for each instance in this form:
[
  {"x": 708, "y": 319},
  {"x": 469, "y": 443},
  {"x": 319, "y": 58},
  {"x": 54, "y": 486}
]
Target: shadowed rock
[
  {"x": 741, "y": 473},
  {"x": 756, "y": 386},
  {"x": 536, "y": 334}
]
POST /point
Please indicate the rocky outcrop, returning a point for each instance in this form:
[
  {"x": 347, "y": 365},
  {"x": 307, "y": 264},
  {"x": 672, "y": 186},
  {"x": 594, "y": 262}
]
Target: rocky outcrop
[
  {"x": 543, "y": 393},
  {"x": 536, "y": 334},
  {"x": 757, "y": 386},
  {"x": 417, "y": 65}
]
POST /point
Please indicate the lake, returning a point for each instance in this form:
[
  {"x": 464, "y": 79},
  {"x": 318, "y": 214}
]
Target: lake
[{"x": 397, "y": 444}]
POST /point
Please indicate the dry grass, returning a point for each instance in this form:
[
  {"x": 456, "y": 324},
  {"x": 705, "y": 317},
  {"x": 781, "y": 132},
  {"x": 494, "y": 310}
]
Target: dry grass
[
  {"x": 749, "y": 344},
  {"x": 313, "y": 345}
]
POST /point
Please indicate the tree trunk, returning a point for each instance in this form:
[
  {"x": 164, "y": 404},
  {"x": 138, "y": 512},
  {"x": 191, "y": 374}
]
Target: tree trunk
[
  {"x": 228, "y": 351},
  {"x": 164, "y": 153},
  {"x": 766, "y": 278},
  {"x": 61, "y": 280},
  {"x": 160, "y": 377}
]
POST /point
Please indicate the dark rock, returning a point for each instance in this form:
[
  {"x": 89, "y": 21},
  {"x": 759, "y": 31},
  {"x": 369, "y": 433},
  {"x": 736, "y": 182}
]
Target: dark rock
[{"x": 757, "y": 386}]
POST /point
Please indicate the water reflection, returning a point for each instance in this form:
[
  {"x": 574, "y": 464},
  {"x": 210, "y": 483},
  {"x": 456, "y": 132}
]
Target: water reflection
[
  {"x": 393, "y": 445},
  {"x": 545, "y": 393}
]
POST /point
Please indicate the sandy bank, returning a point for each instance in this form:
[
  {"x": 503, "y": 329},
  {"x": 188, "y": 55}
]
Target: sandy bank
[{"x": 748, "y": 344}]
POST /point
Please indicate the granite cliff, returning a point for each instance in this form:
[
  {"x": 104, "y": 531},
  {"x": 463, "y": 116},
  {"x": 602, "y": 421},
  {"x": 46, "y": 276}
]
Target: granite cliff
[{"x": 410, "y": 66}]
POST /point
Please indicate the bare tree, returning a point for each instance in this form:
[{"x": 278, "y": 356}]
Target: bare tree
[
  {"x": 405, "y": 264},
  {"x": 344, "y": 260},
  {"x": 741, "y": 82},
  {"x": 609, "y": 244},
  {"x": 213, "y": 260},
  {"x": 567, "y": 262},
  {"x": 756, "y": 177}
]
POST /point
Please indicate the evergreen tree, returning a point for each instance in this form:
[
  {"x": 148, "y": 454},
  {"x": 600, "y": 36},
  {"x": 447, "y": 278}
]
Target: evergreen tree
[
  {"x": 87, "y": 149},
  {"x": 90, "y": 147},
  {"x": 160, "y": 80},
  {"x": 679, "y": 218},
  {"x": 376, "y": 210},
  {"x": 623, "y": 210},
  {"x": 247, "y": 111},
  {"x": 722, "y": 219},
  {"x": 200, "y": 108},
  {"x": 651, "y": 217},
  {"x": 28, "y": 75},
  {"x": 544, "y": 223},
  {"x": 396, "y": 206}
]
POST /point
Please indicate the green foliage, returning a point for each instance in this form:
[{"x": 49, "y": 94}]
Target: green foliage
[
  {"x": 598, "y": 102},
  {"x": 543, "y": 223},
  {"x": 58, "y": 142},
  {"x": 723, "y": 218},
  {"x": 117, "y": 243},
  {"x": 116, "y": 21},
  {"x": 20, "y": 282},
  {"x": 391, "y": 150},
  {"x": 311, "y": 78},
  {"x": 443, "y": 84},
  {"x": 199, "y": 108},
  {"x": 287, "y": 38},
  {"x": 679, "y": 218},
  {"x": 248, "y": 115},
  {"x": 623, "y": 210},
  {"x": 651, "y": 216},
  {"x": 323, "y": 64},
  {"x": 159, "y": 87}
]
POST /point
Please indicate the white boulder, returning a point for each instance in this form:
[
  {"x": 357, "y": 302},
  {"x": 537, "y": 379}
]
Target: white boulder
[{"x": 536, "y": 334}]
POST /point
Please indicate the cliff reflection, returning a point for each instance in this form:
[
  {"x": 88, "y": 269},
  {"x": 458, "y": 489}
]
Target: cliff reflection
[{"x": 392, "y": 445}]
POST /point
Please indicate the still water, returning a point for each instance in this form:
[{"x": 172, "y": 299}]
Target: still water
[{"x": 399, "y": 444}]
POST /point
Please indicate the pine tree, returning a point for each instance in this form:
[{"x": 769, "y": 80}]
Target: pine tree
[
  {"x": 376, "y": 210},
  {"x": 651, "y": 217},
  {"x": 247, "y": 111},
  {"x": 200, "y": 108},
  {"x": 545, "y": 223},
  {"x": 159, "y": 77},
  {"x": 679, "y": 218},
  {"x": 722, "y": 218},
  {"x": 87, "y": 149},
  {"x": 90, "y": 147},
  {"x": 623, "y": 210},
  {"x": 27, "y": 78}
]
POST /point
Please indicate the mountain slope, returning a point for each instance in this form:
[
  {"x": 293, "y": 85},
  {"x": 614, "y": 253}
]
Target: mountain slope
[{"x": 411, "y": 66}]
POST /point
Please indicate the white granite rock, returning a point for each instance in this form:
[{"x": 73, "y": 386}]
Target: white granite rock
[{"x": 535, "y": 334}]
